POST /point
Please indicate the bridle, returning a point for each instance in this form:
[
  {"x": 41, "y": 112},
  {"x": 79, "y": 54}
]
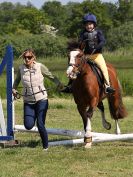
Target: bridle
[{"x": 78, "y": 67}]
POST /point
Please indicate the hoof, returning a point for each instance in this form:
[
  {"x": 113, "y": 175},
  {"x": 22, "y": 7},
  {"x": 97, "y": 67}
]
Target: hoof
[
  {"x": 107, "y": 126},
  {"x": 88, "y": 142},
  {"x": 117, "y": 131},
  {"x": 88, "y": 145}
]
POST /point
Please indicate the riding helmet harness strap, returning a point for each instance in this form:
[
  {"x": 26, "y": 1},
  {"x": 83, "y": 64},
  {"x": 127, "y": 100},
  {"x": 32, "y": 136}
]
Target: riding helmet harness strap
[{"x": 91, "y": 39}]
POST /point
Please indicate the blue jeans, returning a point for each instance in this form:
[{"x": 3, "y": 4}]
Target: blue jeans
[{"x": 37, "y": 112}]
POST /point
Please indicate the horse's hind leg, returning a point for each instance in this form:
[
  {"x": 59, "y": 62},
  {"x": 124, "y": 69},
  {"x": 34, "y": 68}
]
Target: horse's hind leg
[
  {"x": 106, "y": 124},
  {"x": 116, "y": 105},
  {"x": 117, "y": 129}
]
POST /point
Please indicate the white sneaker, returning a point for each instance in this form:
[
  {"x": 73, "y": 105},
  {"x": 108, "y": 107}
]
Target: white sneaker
[{"x": 45, "y": 149}]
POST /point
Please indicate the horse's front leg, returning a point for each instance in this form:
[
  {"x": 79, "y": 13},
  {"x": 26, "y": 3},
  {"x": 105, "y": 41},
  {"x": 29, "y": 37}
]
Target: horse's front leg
[
  {"x": 86, "y": 115},
  {"x": 88, "y": 131}
]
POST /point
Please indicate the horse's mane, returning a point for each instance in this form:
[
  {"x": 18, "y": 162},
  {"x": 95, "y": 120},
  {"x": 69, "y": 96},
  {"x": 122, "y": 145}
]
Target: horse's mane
[{"x": 73, "y": 44}]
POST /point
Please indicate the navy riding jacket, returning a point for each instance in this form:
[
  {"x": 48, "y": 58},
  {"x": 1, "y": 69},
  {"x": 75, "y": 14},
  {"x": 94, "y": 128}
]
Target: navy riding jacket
[{"x": 93, "y": 41}]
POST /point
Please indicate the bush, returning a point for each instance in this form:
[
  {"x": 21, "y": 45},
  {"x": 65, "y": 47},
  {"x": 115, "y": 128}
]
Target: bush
[
  {"x": 44, "y": 44},
  {"x": 120, "y": 37}
]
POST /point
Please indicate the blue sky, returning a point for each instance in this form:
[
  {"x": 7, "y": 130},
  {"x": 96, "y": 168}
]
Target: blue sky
[{"x": 39, "y": 3}]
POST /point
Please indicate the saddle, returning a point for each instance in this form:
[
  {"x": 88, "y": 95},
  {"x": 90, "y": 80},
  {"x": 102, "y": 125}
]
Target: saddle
[{"x": 97, "y": 71}]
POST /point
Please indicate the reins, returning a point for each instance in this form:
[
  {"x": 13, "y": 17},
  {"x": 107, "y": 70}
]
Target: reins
[
  {"x": 19, "y": 95},
  {"x": 84, "y": 59}
]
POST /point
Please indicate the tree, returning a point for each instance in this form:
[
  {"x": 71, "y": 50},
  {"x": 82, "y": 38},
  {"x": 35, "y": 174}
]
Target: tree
[
  {"x": 78, "y": 10},
  {"x": 125, "y": 11},
  {"x": 112, "y": 10},
  {"x": 120, "y": 37},
  {"x": 14, "y": 18},
  {"x": 74, "y": 20},
  {"x": 8, "y": 15},
  {"x": 56, "y": 13},
  {"x": 31, "y": 19}
]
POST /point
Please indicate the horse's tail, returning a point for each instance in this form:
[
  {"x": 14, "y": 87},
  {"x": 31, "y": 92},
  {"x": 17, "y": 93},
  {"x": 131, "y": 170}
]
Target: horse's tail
[{"x": 116, "y": 106}]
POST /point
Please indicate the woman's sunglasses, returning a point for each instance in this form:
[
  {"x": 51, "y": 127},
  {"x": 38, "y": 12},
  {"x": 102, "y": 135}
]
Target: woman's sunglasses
[{"x": 28, "y": 57}]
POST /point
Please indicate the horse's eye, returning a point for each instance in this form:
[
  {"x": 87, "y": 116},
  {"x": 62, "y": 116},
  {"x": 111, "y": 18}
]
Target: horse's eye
[{"x": 77, "y": 65}]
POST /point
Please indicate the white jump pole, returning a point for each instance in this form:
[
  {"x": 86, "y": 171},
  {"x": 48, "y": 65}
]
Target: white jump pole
[
  {"x": 63, "y": 132},
  {"x": 123, "y": 137},
  {"x": 96, "y": 137},
  {"x": 66, "y": 142},
  {"x": 52, "y": 131}
]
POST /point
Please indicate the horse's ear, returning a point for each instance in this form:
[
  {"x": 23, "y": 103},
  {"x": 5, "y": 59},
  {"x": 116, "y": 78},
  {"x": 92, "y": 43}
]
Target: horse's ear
[
  {"x": 80, "y": 54},
  {"x": 82, "y": 45},
  {"x": 68, "y": 56}
]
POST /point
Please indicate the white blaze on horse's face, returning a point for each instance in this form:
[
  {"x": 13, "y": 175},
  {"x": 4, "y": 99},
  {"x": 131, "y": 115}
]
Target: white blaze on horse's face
[{"x": 69, "y": 71}]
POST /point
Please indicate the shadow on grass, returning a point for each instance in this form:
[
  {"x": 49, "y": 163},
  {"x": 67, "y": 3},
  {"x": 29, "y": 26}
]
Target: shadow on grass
[
  {"x": 30, "y": 144},
  {"x": 18, "y": 144}
]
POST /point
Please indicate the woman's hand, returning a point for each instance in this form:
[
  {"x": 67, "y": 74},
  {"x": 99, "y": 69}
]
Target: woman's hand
[
  {"x": 15, "y": 93},
  {"x": 60, "y": 86}
]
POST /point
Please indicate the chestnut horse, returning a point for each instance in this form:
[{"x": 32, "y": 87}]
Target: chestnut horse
[{"x": 88, "y": 95}]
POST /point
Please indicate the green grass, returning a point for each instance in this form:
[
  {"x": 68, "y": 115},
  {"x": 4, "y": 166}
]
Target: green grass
[
  {"x": 112, "y": 159},
  {"x": 123, "y": 55}
]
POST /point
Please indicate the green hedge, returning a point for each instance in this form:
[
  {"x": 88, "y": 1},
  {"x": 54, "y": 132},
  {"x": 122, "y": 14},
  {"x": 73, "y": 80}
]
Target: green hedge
[
  {"x": 43, "y": 44},
  {"x": 120, "y": 37}
]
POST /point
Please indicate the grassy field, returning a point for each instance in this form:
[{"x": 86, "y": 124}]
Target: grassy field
[{"x": 114, "y": 159}]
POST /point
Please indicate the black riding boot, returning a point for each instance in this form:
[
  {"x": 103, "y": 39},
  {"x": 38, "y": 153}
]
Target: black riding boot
[
  {"x": 110, "y": 90},
  {"x": 68, "y": 88}
]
